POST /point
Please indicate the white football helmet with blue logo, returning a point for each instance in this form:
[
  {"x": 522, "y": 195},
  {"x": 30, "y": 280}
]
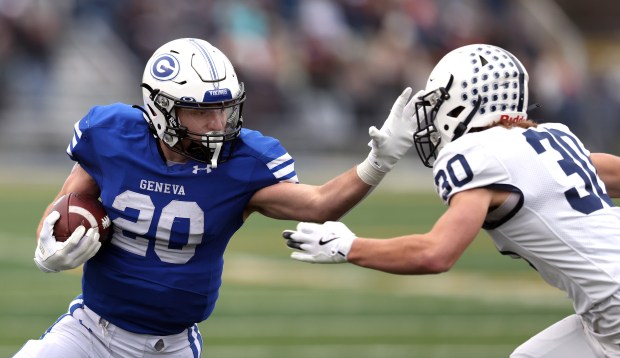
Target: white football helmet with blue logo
[
  {"x": 192, "y": 73},
  {"x": 471, "y": 87}
]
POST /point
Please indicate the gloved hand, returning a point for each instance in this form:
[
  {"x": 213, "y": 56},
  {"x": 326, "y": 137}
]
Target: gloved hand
[
  {"x": 392, "y": 141},
  {"x": 327, "y": 243},
  {"x": 53, "y": 256}
]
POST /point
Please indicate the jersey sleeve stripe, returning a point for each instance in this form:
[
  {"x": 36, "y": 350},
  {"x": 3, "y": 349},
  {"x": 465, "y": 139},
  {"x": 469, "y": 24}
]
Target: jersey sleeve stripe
[
  {"x": 71, "y": 146},
  {"x": 283, "y": 168},
  {"x": 77, "y": 134},
  {"x": 279, "y": 161},
  {"x": 287, "y": 171},
  {"x": 76, "y": 127}
]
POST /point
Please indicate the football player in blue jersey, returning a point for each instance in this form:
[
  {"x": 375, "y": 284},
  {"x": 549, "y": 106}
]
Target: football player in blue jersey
[
  {"x": 178, "y": 177},
  {"x": 535, "y": 189}
]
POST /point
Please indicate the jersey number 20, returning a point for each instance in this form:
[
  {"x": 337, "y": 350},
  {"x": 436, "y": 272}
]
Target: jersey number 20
[{"x": 166, "y": 249}]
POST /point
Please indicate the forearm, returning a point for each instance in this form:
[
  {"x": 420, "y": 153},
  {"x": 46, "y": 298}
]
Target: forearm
[
  {"x": 341, "y": 194},
  {"x": 405, "y": 255},
  {"x": 433, "y": 252},
  {"x": 330, "y": 201}
]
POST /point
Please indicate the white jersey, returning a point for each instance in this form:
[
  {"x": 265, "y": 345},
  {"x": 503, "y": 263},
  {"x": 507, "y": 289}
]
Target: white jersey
[{"x": 560, "y": 218}]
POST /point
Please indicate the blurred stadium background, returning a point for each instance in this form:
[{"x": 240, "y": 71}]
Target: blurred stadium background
[{"x": 318, "y": 73}]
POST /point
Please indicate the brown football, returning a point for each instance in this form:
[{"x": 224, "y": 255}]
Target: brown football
[{"x": 80, "y": 209}]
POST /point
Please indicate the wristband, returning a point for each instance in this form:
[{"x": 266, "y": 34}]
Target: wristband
[{"x": 368, "y": 173}]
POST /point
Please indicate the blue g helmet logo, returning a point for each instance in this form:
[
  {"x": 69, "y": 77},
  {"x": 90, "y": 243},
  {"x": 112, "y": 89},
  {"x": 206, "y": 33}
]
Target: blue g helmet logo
[{"x": 165, "y": 67}]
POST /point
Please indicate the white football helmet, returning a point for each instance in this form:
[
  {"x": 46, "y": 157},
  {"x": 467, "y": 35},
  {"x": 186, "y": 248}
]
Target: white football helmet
[
  {"x": 193, "y": 74},
  {"x": 471, "y": 87}
]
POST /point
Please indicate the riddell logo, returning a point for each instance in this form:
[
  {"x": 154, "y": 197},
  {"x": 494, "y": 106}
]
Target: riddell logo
[{"x": 504, "y": 118}]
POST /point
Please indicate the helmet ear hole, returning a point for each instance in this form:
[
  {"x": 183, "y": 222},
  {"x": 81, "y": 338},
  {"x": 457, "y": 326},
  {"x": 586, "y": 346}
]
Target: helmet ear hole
[
  {"x": 446, "y": 127},
  {"x": 455, "y": 112}
]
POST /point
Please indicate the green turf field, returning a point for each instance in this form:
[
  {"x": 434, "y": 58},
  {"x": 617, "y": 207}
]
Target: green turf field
[{"x": 271, "y": 306}]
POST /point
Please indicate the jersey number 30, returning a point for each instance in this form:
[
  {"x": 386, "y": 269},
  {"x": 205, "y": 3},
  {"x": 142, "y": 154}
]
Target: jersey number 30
[
  {"x": 573, "y": 161},
  {"x": 586, "y": 196}
]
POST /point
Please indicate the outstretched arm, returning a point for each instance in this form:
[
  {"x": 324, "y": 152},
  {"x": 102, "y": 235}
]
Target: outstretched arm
[
  {"x": 333, "y": 199},
  {"x": 608, "y": 169},
  {"x": 330, "y": 201},
  {"x": 433, "y": 252}
]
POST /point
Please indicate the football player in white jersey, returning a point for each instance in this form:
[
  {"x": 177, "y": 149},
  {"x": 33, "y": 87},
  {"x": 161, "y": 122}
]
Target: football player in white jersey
[
  {"x": 178, "y": 177},
  {"x": 535, "y": 189}
]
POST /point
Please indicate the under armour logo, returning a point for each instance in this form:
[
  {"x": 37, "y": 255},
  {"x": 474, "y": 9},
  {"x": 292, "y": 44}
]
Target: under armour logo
[{"x": 197, "y": 168}]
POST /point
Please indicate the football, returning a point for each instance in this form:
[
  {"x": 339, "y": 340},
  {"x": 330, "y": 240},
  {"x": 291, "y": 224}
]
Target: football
[{"x": 80, "y": 209}]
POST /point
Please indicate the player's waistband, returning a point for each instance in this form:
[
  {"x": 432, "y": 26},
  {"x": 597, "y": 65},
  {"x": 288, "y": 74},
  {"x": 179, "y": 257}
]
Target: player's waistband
[{"x": 102, "y": 328}]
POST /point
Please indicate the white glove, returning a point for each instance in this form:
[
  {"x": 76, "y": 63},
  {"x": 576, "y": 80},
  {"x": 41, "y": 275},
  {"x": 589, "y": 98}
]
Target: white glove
[
  {"x": 392, "y": 141},
  {"x": 53, "y": 256},
  {"x": 327, "y": 243}
]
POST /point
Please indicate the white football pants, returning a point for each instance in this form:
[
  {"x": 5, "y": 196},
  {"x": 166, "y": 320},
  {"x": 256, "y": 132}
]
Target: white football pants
[
  {"x": 567, "y": 338},
  {"x": 81, "y": 333}
]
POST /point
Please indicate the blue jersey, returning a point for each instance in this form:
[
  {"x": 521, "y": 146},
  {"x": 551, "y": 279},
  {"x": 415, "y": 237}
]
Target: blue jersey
[{"x": 162, "y": 269}]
